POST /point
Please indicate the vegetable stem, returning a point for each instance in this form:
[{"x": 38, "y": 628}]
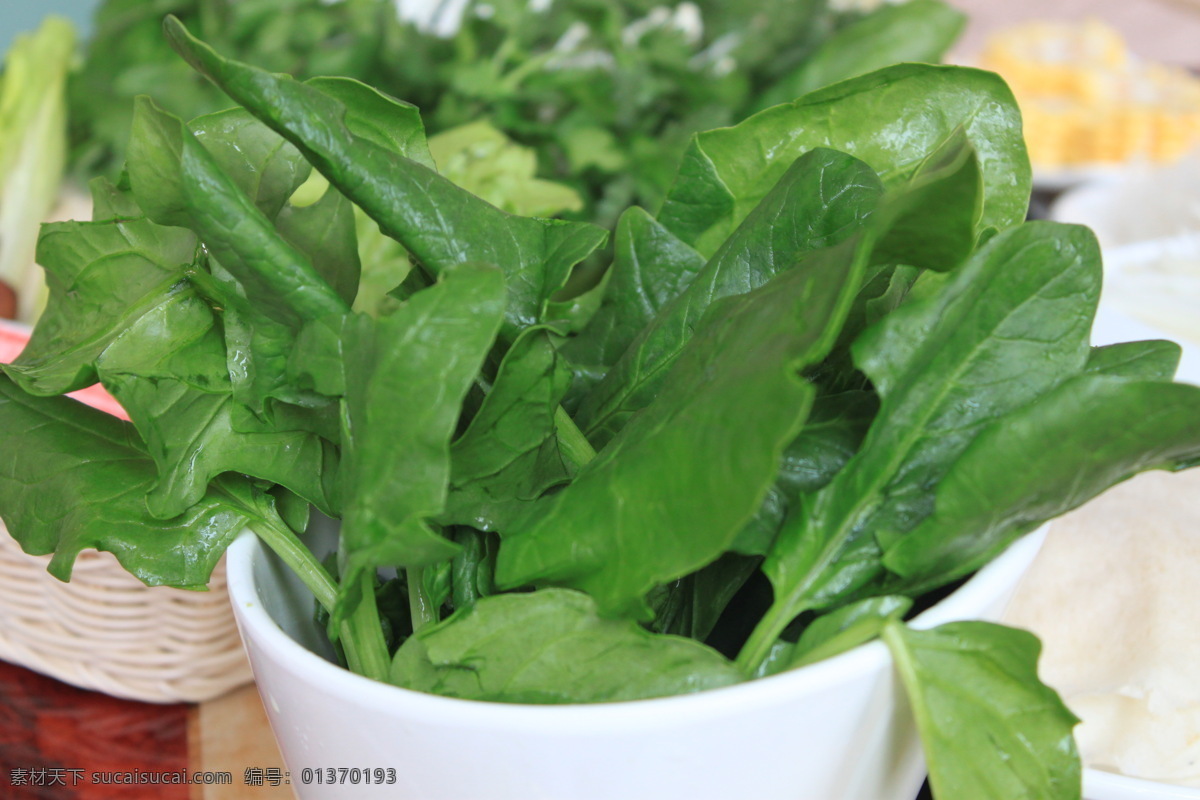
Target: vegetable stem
[
  {"x": 574, "y": 444},
  {"x": 419, "y": 604},
  {"x": 362, "y": 635},
  {"x": 299, "y": 559},
  {"x": 758, "y": 647}
]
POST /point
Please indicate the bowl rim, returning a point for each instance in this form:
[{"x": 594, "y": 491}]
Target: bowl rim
[
  {"x": 1099, "y": 784},
  {"x": 259, "y": 630}
]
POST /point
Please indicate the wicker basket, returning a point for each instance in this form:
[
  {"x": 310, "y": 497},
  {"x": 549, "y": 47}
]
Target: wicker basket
[{"x": 106, "y": 630}]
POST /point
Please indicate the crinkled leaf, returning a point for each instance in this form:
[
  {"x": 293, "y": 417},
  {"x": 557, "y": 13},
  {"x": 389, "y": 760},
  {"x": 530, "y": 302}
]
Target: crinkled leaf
[
  {"x": 405, "y": 376},
  {"x": 650, "y": 268},
  {"x": 551, "y": 646},
  {"x": 509, "y": 454},
  {"x": 1009, "y": 325},
  {"x": 892, "y": 119},
  {"x": 630, "y": 520},
  {"x": 435, "y": 220},
  {"x": 1092, "y": 432},
  {"x": 169, "y": 373},
  {"x": 73, "y": 478},
  {"x": 821, "y": 200},
  {"x": 990, "y": 729},
  {"x": 103, "y": 277}
]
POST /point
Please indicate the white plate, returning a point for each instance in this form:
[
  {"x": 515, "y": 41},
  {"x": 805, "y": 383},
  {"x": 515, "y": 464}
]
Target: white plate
[{"x": 1100, "y": 785}]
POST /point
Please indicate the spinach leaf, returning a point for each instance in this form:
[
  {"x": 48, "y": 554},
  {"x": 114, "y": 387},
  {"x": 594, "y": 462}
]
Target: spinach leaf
[
  {"x": 1093, "y": 431},
  {"x": 918, "y": 30},
  {"x": 692, "y": 605},
  {"x": 73, "y": 478},
  {"x": 169, "y": 373},
  {"x": 551, "y": 646},
  {"x": 846, "y": 628},
  {"x": 989, "y": 728},
  {"x": 892, "y": 119},
  {"x": 404, "y": 378},
  {"x": 509, "y": 454},
  {"x": 1009, "y": 325},
  {"x": 103, "y": 277},
  {"x": 650, "y": 268},
  {"x": 822, "y": 199},
  {"x": 439, "y": 223},
  {"x": 630, "y": 521},
  {"x": 1149, "y": 360}
]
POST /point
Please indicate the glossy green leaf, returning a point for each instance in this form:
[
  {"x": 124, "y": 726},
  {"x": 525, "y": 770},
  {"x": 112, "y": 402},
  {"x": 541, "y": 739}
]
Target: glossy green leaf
[
  {"x": 405, "y": 376},
  {"x": 509, "y": 454},
  {"x": 259, "y": 161},
  {"x": 650, "y": 268},
  {"x": 631, "y": 519},
  {"x": 846, "y": 628},
  {"x": 692, "y": 605},
  {"x": 1102, "y": 429},
  {"x": 439, "y": 223},
  {"x": 551, "y": 646},
  {"x": 822, "y": 199},
  {"x": 918, "y": 30},
  {"x": 892, "y": 119},
  {"x": 103, "y": 277},
  {"x": 989, "y": 727},
  {"x": 73, "y": 478},
  {"x": 169, "y": 372},
  {"x": 1009, "y": 325}
]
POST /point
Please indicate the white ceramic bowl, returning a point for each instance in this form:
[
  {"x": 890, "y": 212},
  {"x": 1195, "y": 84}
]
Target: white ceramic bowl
[
  {"x": 1101, "y": 785},
  {"x": 838, "y": 730}
]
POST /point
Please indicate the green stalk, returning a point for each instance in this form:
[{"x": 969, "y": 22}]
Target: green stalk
[
  {"x": 768, "y": 630},
  {"x": 362, "y": 636},
  {"x": 299, "y": 559},
  {"x": 420, "y": 605},
  {"x": 571, "y": 441}
]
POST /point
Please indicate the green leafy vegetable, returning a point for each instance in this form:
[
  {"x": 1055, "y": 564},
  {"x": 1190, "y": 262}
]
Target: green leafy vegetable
[
  {"x": 552, "y": 647},
  {"x": 817, "y": 385},
  {"x": 989, "y": 727},
  {"x": 33, "y": 144},
  {"x": 630, "y": 519}
]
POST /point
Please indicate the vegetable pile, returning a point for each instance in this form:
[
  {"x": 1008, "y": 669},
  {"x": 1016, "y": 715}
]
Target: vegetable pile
[
  {"x": 607, "y": 92},
  {"x": 833, "y": 373}
]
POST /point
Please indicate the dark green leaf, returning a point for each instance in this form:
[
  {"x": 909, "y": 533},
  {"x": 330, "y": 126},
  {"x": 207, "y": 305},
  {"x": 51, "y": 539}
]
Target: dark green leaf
[
  {"x": 551, "y": 646},
  {"x": 822, "y": 199},
  {"x": 892, "y": 119},
  {"x": 103, "y": 277},
  {"x": 405, "y": 377},
  {"x": 169, "y": 373},
  {"x": 650, "y": 268},
  {"x": 989, "y": 728},
  {"x": 1009, "y": 325},
  {"x": 1044, "y": 460},
  {"x": 439, "y": 223},
  {"x": 631, "y": 520},
  {"x": 73, "y": 478},
  {"x": 846, "y": 628},
  {"x": 509, "y": 454}
]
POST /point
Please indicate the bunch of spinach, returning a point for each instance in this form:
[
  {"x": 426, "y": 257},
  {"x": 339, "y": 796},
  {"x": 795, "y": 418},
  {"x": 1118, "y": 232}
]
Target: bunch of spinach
[
  {"x": 607, "y": 92},
  {"x": 836, "y": 359}
]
